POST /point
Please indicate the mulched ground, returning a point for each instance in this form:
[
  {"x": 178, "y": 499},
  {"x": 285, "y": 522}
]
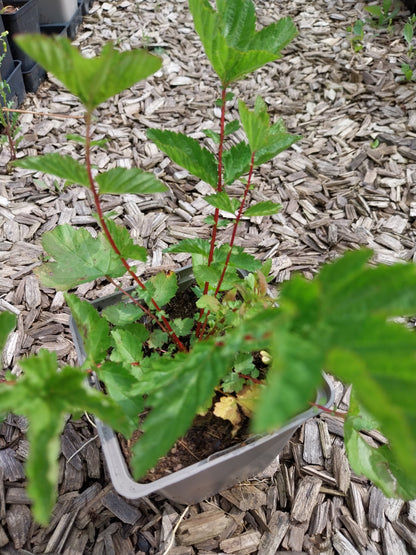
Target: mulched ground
[{"x": 349, "y": 182}]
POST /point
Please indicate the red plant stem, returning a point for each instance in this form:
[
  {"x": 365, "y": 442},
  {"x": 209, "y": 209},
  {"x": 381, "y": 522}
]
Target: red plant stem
[
  {"x": 237, "y": 221},
  {"x": 233, "y": 235},
  {"x": 136, "y": 302},
  {"x": 254, "y": 380},
  {"x": 219, "y": 189},
  {"x": 330, "y": 411},
  {"x": 107, "y": 233}
]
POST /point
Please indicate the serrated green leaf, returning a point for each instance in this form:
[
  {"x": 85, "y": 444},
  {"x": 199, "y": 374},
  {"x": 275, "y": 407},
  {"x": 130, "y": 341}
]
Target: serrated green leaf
[
  {"x": 255, "y": 123},
  {"x": 374, "y": 463},
  {"x": 275, "y": 36},
  {"x": 231, "y": 127},
  {"x": 190, "y": 379},
  {"x": 209, "y": 302},
  {"x": 210, "y": 220},
  {"x": 191, "y": 246},
  {"x": 82, "y": 140},
  {"x": 128, "y": 343},
  {"x": 7, "y": 324},
  {"x": 79, "y": 258},
  {"x": 223, "y": 202},
  {"x": 182, "y": 326},
  {"x": 94, "y": 329},
  {"x": 162, "y": 287},
  {"x": 236, "y": 162},
  {"x": 135, "y": 181},
  {"x": 212, "y": 135},
  {"x": 275, "y": 144},
  {"x": 122, "y": 314},
  {"x": 345, "y": 312},
  {"x": 62, "y": 166},
  {"x": 263, "y": 208},
  {"x": 188, "y": 153},
  {"x": 119, "y": 381},
  {"x": 92, "y": 80},
  {"x": 45, "y": 397},
  {"x": 124, "y": 242},
  {"x": 228, "y": 33}
]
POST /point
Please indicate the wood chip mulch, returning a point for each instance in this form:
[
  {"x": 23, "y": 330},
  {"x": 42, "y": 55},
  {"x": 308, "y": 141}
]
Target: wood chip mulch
[{"x": 349, "y": 182}]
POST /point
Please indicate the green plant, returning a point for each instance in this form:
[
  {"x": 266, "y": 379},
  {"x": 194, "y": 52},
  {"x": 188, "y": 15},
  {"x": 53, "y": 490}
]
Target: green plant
[
  {"x": 408, "y": 33},
  {"x": 341, "y": 321},
  {"x": 383, "y": 15},
  {"x": 356, "y": 32},
  {"x": 407, "y": 72},
  {"x": 8, "y": 120}
]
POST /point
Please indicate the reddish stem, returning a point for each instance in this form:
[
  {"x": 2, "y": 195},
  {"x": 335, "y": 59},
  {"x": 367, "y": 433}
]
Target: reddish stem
[
  {"x": 237, "y": 221},
  {"x": 219, "y": 190},
  {"x": 107, "y": 233},
  {"x": 329, "y": 411}
]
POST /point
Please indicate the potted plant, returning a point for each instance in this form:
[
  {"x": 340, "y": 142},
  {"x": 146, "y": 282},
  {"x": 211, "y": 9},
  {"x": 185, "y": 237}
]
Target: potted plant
[
  {"x": 22, "y": 16},
  {"x": 237, "y": 350}
]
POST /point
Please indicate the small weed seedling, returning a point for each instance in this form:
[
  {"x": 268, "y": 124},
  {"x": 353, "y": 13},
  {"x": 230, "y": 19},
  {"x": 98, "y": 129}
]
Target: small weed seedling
[
  {"x": 408, "y": 34},
  {"x": 356, "y": 35},
  {"x": 383, "y": 16}
]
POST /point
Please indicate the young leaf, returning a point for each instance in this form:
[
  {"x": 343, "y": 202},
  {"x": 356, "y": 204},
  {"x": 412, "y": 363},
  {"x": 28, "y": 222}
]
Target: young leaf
[
  {"x": 62, "y": 166},
  {"x": 135, "y": 181},
  {"x": 182, "y": 327},
  {"x": 92, "y": 80},
  {"x": 7, "y": 323},
  {"x": 94, "y": 330},
  {"x": 82, "y": 140},
  {"x": 223, "y": 202},
  {"x": 255, "y": 123},
  {"x": 191, "y": 246},
  {"x": 122, "y": 314},
  {"x": 162, "y": 287},
  {"x": 221, "y": 223},
  {"x": 79, "y": 258},
  {"x": 128, "y": 343},
  {"x": 212, "y": 135},
  {"x": 125, "y": 243},
  {"x": 263, "y": 208},
  {"x": 236, "y": 162},
  {"x": 227, "y": 36},
  {"x": 187, "y": 152},
  {"x": 231, "y": 127}
]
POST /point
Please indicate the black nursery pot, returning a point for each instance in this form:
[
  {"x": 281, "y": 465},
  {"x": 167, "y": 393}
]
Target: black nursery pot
[
  {"x": 24, "y": 20},
  {"x": 7, "y": 65},
  {"x": 17, "y": 92}
]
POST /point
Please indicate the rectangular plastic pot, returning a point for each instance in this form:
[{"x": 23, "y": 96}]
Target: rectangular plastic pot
[
  {"x": 7, "y": 65},
  {"x": 54, "y": 29},
  {"x": 24, "y": 20},
  {"x": 56, "y": 11},
  {"x": 15, "y": 81},
  {"x": 211, "y": 475},
  {"x": 33, "y": 77}
]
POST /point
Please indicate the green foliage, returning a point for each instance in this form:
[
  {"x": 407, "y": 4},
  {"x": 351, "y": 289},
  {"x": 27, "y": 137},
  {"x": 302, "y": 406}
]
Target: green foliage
[
  {"x": 79, "y": 258},
  {"x": 230, "y": 40},
  {"x": 7, "y": 323},
  {"x": 356, "y": 33},
  {"x": 342, "y": 321},
  {"x": 62, "y": 166},
  {"x": 135, "y": 181},
  {"x": 383, "y": 15},
  {"x": 187, "y": 153},
  {"x": 92, "y": 80},
  {"x": 45, "y": 397}
]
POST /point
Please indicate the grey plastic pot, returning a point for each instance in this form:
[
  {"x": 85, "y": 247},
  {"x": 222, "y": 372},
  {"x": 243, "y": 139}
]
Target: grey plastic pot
[{"x": 213, "y": 474}]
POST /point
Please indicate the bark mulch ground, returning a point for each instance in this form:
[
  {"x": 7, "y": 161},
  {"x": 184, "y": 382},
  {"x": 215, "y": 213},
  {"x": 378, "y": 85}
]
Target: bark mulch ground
[{"x": 349, "y": 182}]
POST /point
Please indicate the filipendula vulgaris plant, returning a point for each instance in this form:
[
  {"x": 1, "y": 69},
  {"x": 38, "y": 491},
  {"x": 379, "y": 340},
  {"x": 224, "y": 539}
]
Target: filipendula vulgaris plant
[{"x": 341, "y": 321}]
